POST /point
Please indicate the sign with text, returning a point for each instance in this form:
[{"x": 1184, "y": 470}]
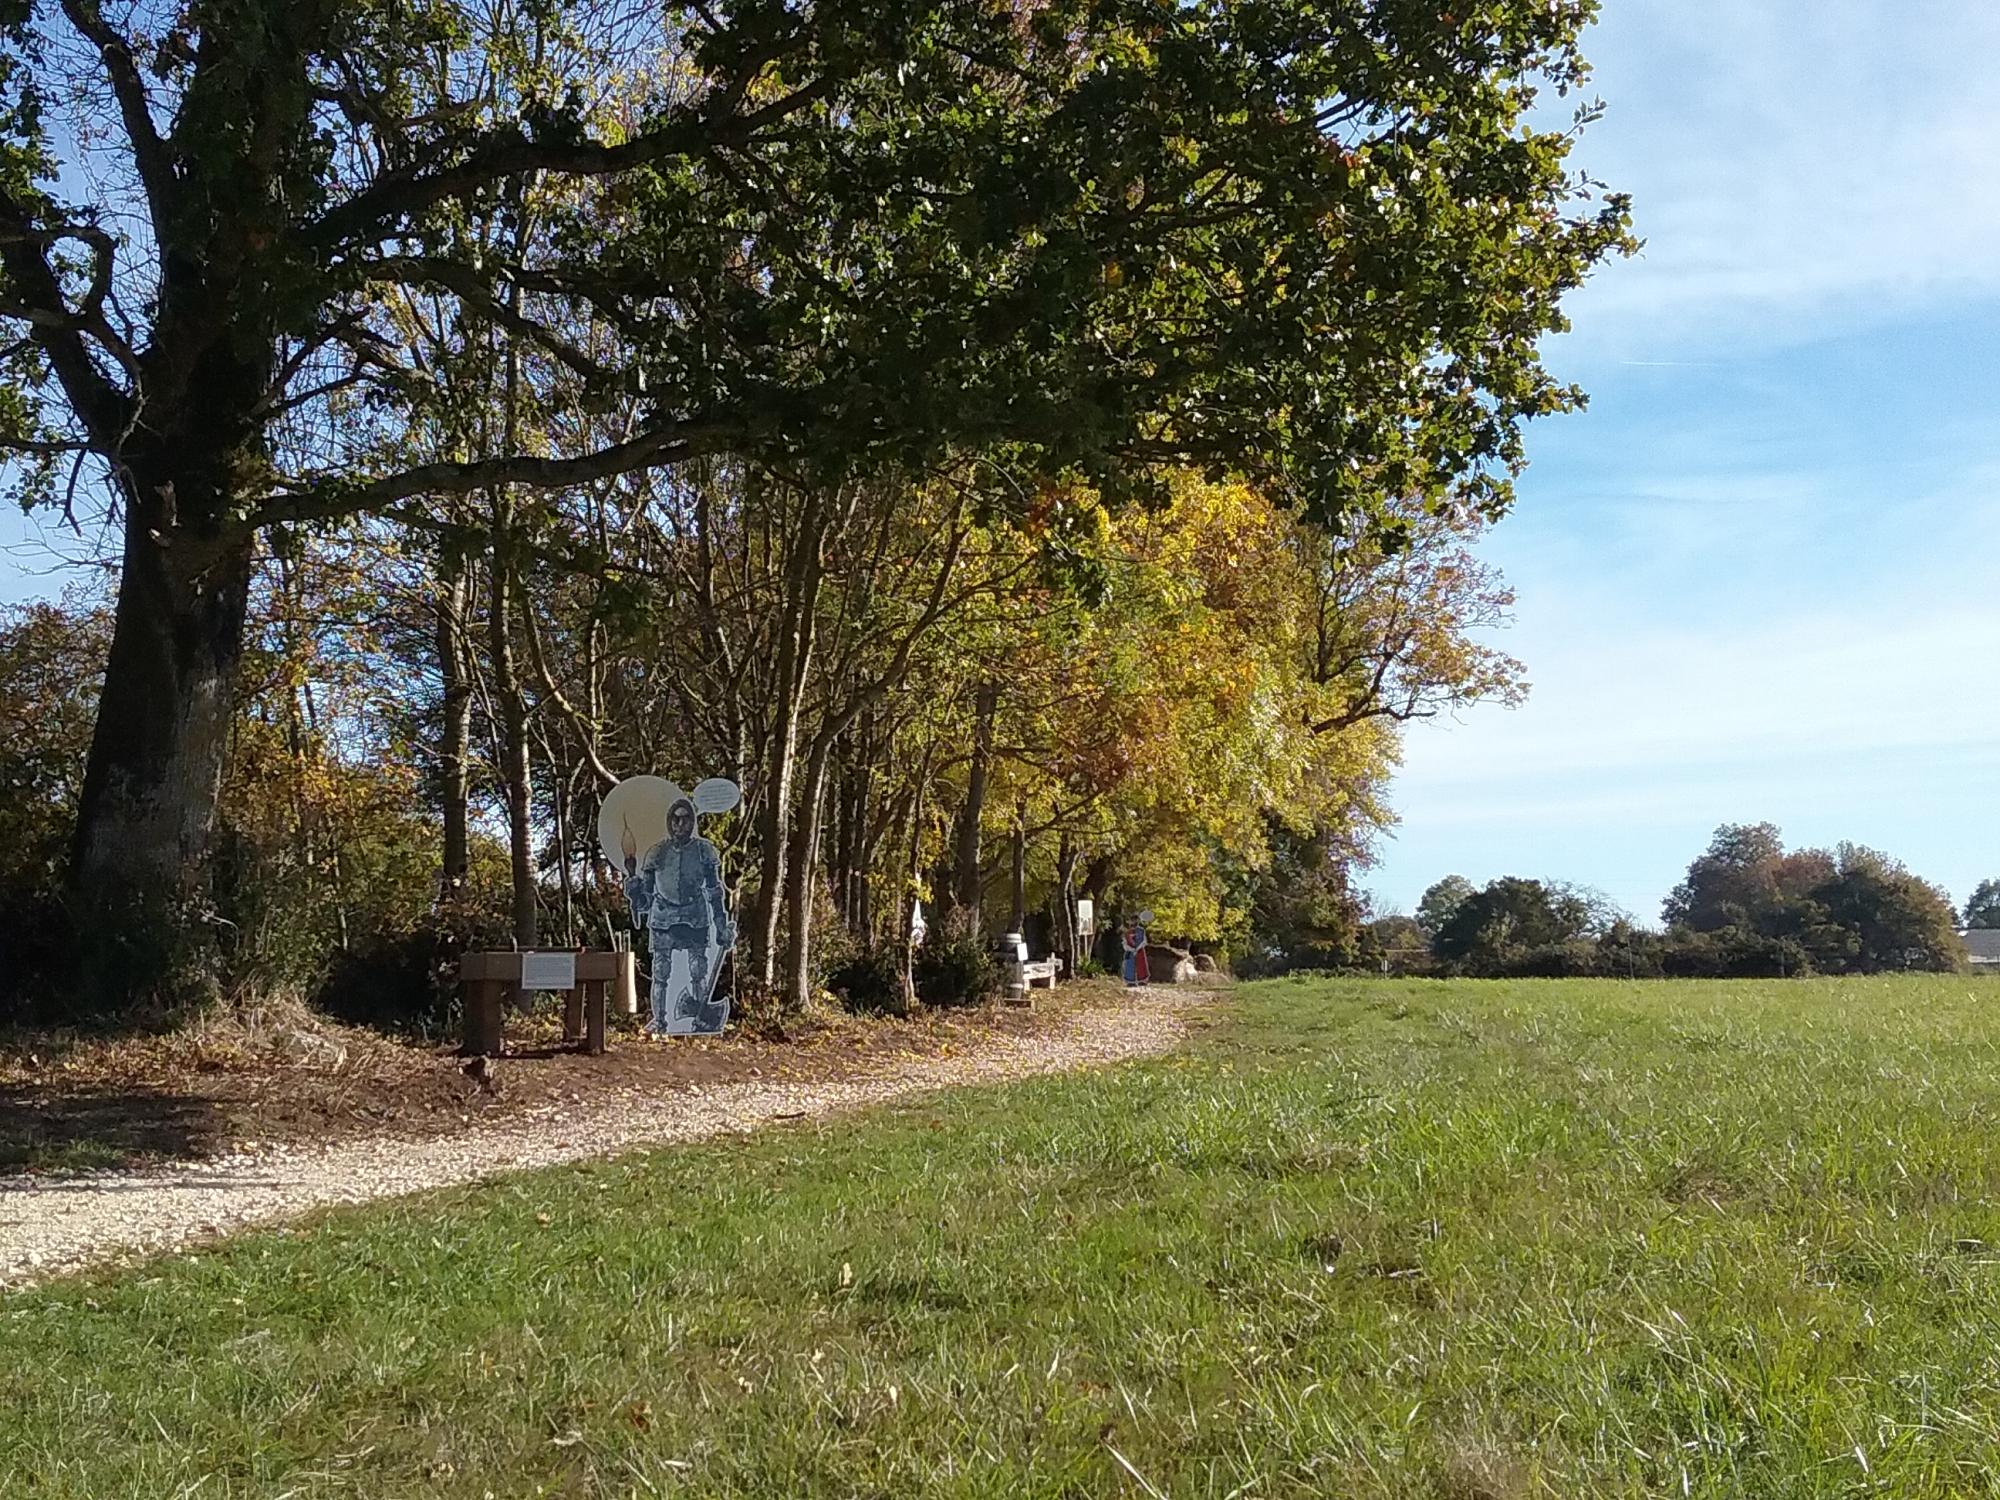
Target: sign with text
[{"x": 548, "y": 971}]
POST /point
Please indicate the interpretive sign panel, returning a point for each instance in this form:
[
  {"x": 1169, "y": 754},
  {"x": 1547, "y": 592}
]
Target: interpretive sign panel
[{"x": 548, "y": 971}]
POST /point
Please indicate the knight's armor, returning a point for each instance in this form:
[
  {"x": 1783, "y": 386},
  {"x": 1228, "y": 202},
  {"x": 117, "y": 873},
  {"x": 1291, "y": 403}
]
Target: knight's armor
[
  {"x": 677, "y": 892},
  {"x": 678, "y": 885}
]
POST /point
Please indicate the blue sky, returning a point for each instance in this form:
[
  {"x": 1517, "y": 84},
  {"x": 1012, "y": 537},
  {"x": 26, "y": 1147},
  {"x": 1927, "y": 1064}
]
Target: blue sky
[{"x": 1760, "y": 577}]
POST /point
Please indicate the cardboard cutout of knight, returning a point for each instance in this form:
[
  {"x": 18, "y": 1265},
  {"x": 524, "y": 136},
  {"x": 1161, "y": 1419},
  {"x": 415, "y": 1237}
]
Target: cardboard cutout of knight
[{"x": 673, "y": 883}]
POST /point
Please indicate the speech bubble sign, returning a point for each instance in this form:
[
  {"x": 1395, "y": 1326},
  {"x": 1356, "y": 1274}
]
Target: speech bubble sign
[{"x": 716, "y": 795}]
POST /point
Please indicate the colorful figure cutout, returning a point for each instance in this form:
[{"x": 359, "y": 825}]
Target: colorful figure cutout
[
  {"x": 1133, "y": 936},
  {"x": 673, "y": 884}
]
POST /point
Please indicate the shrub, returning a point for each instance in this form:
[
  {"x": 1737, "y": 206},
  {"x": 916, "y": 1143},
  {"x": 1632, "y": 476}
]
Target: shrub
[
  {"x": 956, "y": 971},
  {"x": 407, "y": 982},
  {"x": 393, "y": 983},
  {"x": 37, "y": 950},
  {"x": 869, "y": 982},
  {"x": 1576, "y": 959}
]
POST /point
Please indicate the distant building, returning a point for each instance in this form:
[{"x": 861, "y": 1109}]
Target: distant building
[{"x": 1983, "y": 944}]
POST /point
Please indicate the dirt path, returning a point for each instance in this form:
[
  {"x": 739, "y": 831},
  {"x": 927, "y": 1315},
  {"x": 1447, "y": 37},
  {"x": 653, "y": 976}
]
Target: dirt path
[{"x": 48, "y": 1227}]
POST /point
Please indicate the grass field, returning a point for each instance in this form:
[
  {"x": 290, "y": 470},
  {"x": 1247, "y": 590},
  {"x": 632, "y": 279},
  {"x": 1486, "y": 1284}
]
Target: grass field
[{"x": 1364, "y": 1239}]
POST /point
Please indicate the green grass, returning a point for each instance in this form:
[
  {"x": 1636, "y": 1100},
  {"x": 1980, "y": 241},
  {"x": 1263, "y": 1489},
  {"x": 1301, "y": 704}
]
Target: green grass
[{"x": 1365, "y": 1239}]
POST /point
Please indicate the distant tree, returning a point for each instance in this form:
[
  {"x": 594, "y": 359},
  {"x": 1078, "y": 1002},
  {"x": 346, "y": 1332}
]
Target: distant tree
[
  {"x": 1508, "y": 916},
  {"x": 1733, "y": 877},
  {"x": 1982, "y": 907},
  {"x": 1585, "y": 909},
  {"x": 1845, "y": 910},
  {"x": 51, "y": 661},
  {"x": 1303, "y": 905},
  {"x": 1898, "y": 920},
  {"x": 1441, "y": 900},
  {"x": 1396, "y": 940}
]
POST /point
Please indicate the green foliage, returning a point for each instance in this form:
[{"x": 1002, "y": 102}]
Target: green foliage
[
  {"x": 1747, "y": 909},
  {"x": 1493, "y": 925},
  {"x": 1897, "y": 921},
  {"x": 954, "y": 971},
  {"x": 325, "y": 866},
  {"x": 51, "y": 660},
  {"x": 870, "y": 982},
  {"x": 1745, "y": 870},
  {"x": 1304, "y": 911},
  {"x": 955, "y": 248},
  {"x": 1982, "y": 907},
  {"x": 1839, "y": 911},
  {"x": 1400, "y": 942},
  {"x": 1438, "y": 904}
]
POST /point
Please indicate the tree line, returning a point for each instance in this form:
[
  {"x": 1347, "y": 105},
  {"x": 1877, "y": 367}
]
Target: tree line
[
  {"x": 1747, "y": 908},
  {"x": 1032, "y": 448},
  {"x": 969, "y": 732}
]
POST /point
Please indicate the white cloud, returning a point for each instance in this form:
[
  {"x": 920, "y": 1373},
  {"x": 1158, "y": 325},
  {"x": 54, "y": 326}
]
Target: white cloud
[
  {"x": 1797, "y": 165},
  {"x": 1727, "y": 645},
  {"x": 1725, "y": 615},
  {"x": 1642, "y": 702}
]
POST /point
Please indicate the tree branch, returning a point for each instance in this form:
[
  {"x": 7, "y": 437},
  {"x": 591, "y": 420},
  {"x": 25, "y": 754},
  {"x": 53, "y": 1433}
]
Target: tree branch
[
  {"x": 99, "y": 404},
  {"x": 464, "y": 283},
  {"x": 494, "y": 155},
  {"x": 153, "y": 155},
  {"x": 16, "y": 444},
  {"x": 328, "y": 499},
  {"x": 586, "y": 729}
]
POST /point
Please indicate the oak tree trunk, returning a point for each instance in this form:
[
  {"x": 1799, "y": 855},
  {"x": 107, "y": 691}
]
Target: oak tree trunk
[{"x": 138, "y": 872}]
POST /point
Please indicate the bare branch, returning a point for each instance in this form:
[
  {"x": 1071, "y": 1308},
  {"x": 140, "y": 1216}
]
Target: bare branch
[
  {"x": 467, "y": 285},
  {"x": 17, "y": 444},
  {"x": 153, "y": 156},
  {"x": 327, "y": 499},
  {"x": 587, "y": 731}
]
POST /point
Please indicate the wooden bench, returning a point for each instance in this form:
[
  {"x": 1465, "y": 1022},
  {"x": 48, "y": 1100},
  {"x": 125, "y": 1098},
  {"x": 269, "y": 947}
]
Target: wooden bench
[
  {"x": 1042, "y": 971},
  {"x": 486, "y": 979}
]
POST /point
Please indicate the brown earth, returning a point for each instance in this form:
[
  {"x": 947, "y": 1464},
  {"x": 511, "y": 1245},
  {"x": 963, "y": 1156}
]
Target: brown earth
[{"x": 283, "y": 1076}]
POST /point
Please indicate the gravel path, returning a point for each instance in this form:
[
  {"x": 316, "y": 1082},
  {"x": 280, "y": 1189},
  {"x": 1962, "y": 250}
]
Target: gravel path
[{"x": 48, "y": 1227}]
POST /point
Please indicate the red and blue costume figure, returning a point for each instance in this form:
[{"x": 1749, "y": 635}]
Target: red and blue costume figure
[{"x": 1134, "y": 938}]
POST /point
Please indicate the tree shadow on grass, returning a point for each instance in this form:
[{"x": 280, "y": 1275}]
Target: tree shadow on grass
[{"x": 80, "y": 1129}]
